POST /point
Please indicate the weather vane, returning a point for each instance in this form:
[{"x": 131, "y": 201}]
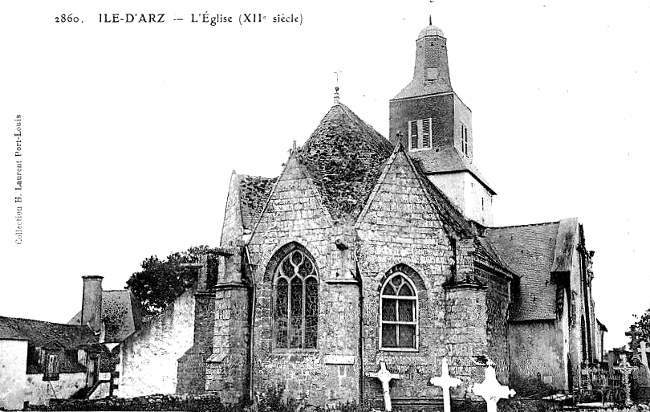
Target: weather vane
[{"x": 336, "y": 89}]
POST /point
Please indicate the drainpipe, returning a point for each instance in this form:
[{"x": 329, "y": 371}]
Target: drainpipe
[{"x": 361, "y": 394}]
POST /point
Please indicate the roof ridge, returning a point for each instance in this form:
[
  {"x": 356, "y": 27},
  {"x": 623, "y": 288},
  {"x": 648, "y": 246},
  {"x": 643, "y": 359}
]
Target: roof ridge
[
  {"x": 526, "y": 225},
  {"x": 39, "y": 321},
  {"x": 255, "y": 177}
]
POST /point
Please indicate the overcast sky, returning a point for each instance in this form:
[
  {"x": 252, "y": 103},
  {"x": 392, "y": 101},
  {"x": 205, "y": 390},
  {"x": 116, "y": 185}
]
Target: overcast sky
[{"x": 131, "y": 131}]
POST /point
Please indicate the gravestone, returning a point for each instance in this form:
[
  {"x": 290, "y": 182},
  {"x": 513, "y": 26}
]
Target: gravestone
[
  {"x": 385, "y": 376},
  {"x": 445, "y": 381},
  {"x": 491, "y": 390}
]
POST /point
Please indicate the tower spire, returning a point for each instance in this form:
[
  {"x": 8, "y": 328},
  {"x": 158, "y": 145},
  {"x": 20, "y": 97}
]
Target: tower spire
[{"x": 430, "y": 13}]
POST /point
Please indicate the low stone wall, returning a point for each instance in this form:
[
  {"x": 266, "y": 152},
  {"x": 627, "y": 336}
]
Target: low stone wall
[
  {"x": 633, "y": 408},
  {"x": 142, "y": 403}
]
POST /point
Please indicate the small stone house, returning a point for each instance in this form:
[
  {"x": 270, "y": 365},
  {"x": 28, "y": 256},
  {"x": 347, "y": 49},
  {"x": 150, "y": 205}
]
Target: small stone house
[
  {"x": 367, "y": 249},
  {"x": 40, "y": 361}
]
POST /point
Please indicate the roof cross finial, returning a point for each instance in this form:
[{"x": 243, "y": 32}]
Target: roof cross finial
[{"x": 336, "y": 89}]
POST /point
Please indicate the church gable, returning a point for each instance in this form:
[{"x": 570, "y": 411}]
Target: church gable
[
  {"x": 399, "y": 202},
  {"x": 247, "y": 196},
  {"x": 294, "y": 209},
  {"x": 415, "y": 252}
]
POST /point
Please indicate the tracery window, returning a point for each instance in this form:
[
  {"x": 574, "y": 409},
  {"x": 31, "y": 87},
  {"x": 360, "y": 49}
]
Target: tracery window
[
  {"x": 296, "y": 302},
  {"x": 399, "y": 313}
]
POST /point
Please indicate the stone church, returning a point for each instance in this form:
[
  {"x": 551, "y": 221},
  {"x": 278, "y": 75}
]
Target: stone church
[{"x": 369, "y": 249}]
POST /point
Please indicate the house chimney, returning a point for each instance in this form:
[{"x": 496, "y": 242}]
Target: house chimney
[{"x": 91, "y": 305}]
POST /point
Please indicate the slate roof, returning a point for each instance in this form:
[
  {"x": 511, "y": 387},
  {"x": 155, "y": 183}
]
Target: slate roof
[
  {"x": 121, "y": 315},
  {"x": 418, "y": 87},
  {"x": 445, "y": 159},
  {"x": 46, "y": 334},
  {"x": 344, "y": 156},
  {"x": 530, "y": 251},
  {"x": 254, "y": 192}
]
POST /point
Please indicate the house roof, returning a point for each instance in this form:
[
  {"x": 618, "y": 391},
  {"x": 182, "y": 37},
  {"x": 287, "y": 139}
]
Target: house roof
[
  {"x": 46, "y": 334},
  {"x": 254, "y": 192},
  {"x": 121, "y": 315},
  {"x": 530, "y": 251},
  {"x": 344, "y": 156}
]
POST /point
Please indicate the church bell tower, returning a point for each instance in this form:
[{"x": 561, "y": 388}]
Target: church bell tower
[{"x": 428, "y": 118}]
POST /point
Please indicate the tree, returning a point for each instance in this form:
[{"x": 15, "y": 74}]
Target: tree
[{"x": 160, "y": 282}]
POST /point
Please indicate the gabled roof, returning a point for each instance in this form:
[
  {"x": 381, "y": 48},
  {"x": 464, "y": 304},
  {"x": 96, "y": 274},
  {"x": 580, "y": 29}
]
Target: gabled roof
[
  {"x": 344, "y": 156},
  {"x": 530, "y": 251},
  {"x": 121, "y": 315},
  {"x": 254, "y": 192},
  {"x": 46, "y": 334}
]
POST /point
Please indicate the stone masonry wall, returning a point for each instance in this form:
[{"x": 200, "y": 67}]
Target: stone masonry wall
[
  {"x": 295, "y": 214},
  {"x": 463, "y": 117},
  {"x": 149, "y": 358},
  {"x": 231, "y": 232},
  {"x": 227, "y": 369},
  {"x": 537, "y": 354},
  {"x": 439, "y": 107},
  {"x": 466, "y": 337},
  {"x": 191, "y": 366},
  {"x": 399, "y": 227},
  {"x": 497, "y": 302}
]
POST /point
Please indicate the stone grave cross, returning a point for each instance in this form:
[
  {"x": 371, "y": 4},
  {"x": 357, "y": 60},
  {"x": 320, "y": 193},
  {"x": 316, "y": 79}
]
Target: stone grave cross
[
  {"x": 491, "y": 390},
  {"x": 625, "y": 368},
  {"x": 385, "y": 377},
  {"x": 446, "y": 381},
  {"x": 634, "y": 338}
]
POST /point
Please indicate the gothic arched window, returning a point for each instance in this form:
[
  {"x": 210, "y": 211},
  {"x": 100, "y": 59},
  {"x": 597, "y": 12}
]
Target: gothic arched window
[
  {"x": 399, "y": 313},
  {"x": 295, "y": 302}
]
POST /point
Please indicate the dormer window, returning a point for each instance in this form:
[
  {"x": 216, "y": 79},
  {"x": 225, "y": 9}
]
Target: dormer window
[{"x": 420, "y": 134}]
